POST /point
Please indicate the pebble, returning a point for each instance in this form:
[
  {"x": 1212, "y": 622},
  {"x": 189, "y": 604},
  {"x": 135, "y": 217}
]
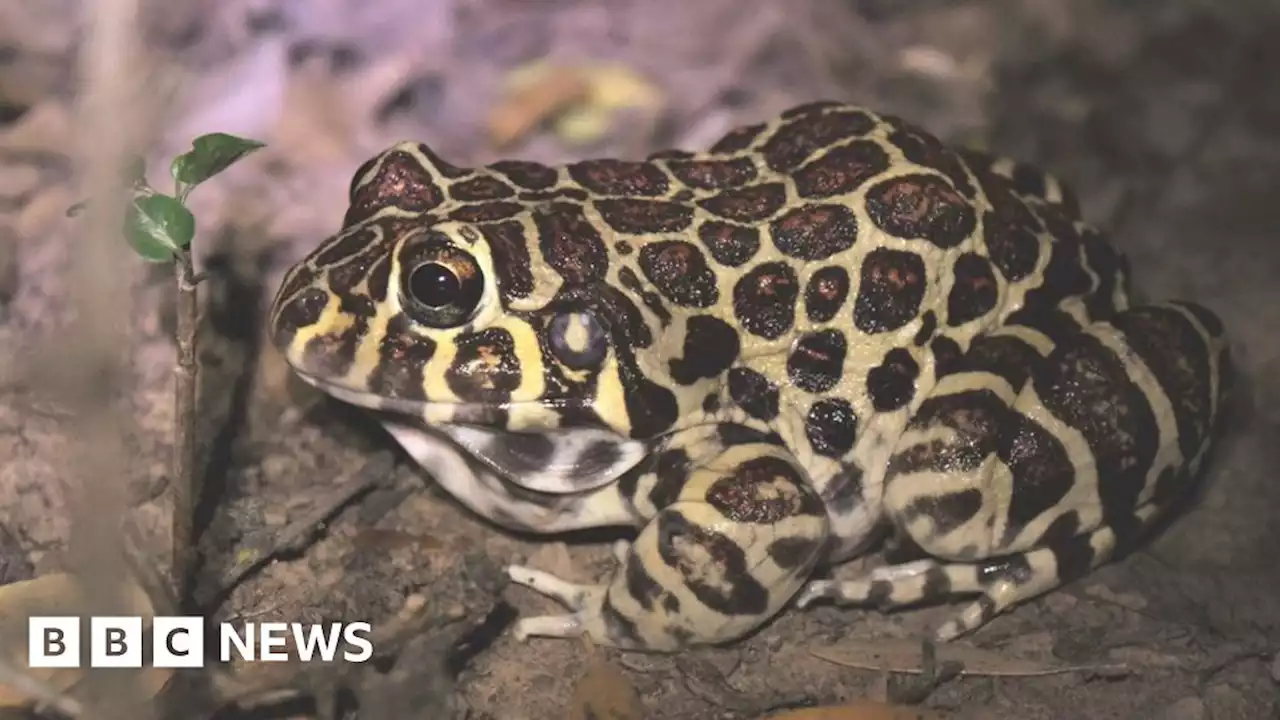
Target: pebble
[
  {"x": 1275, "y": 668},
  {"x": 1188, "y": 708}
]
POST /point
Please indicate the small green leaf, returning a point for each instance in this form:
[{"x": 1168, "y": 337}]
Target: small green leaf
[
  {"x": 158, "y": 226},
  {"x": 209, "y": 155}
]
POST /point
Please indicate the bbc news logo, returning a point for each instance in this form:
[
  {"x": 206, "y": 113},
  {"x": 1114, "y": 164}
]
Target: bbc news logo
[{"x": 179, "y": 642}]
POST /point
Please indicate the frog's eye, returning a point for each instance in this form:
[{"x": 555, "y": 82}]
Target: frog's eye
[{"x": 443, "y": 290}]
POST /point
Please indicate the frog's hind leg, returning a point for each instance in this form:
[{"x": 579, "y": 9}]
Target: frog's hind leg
[
  {"x": 999, "y": 583},
  {"x": 735, "y": 530},
  {"x": 1036, "y": 462}
]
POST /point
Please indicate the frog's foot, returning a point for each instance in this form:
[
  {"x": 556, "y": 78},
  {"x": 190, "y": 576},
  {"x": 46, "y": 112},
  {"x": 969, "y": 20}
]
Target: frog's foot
[
  {"x": 583, "y": 600},
  {"x": 731, "y": 548}
]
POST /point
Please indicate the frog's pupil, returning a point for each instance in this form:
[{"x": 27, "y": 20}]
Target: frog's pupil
[{"x": 434, "y": 285}]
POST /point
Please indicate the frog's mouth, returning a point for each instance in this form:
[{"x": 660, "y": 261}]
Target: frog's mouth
[{"x": 558, "y": 461}]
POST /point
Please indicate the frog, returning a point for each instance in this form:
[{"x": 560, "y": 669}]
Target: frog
[{"x": 827, "y": 332}]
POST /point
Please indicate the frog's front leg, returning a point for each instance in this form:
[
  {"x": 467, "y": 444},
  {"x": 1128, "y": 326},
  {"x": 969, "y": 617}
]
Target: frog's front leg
[
  {"x": 736, "y": 532},
  {"x": 1039, "y": 461}
]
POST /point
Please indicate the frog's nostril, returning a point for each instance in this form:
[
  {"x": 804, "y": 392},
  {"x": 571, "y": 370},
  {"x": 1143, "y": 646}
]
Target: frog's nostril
[{"x": 578, "y": 340}]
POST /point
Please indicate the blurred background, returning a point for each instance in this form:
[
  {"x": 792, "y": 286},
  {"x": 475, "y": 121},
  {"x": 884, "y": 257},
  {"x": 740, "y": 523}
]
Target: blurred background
[{"x": 1163, "y": 114}]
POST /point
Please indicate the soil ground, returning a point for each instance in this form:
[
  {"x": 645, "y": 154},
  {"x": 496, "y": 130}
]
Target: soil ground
[{"x": 1164, "y": 116}]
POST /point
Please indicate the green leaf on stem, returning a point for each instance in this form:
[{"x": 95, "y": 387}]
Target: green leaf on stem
[
  {"x": 158, "y": 227},
  {"x": 209, "y": 155}
]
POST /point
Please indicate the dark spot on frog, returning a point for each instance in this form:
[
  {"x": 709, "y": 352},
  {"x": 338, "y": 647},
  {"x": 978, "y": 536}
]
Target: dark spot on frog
[
  {"x": 401, "y": 181},
  {"x": 710, "y": 347},
  {"x": 753, "y": 204},
  {"x": 974, "y": 292},
  {"x": 528, "y": 175},
  {"x": 570, "y": 244},
  {"x": 711, "y": 565},
  {"x": 812, "y": 129},
  {"x": 921, "y": 207},
  {"x": 762, "y": 491},
  {"x": 713, "y": 174},
  {"x": 480, "y": 189},
  {"x": 841, "y": 170},
  {"x": 764, "y": 299},
  {"x": 814, "y": 232},
  {"x": 825, "y": 293},
  {"x": 892, "y": 287},
  {"x": 671, "y": 470},
  {"x": 486, "y": 368},
  {"x": 816, "y": 362},
  {"x": 729, "y": 244},
  {"x": 794, "y": 553},
  {"x": 891, "y": 384},
  {"x": 753, "y": 392},
  {"x": 402, "y": 359},
  {"x": 739, "y": 138},
  {"x": 680, "y": 272},
  {"x": 511, "y": 259},
  {"x": 619, "y": 177},
  {"x": 831, "y": 427},
  {"x": 639, "y": 216}
]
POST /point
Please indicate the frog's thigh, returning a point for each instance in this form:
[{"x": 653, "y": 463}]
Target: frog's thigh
[
  {"x": 738, "y": 541},
  {"x": 1022, "y": 493}
]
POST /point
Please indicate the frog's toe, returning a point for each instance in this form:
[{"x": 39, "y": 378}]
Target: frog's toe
[
  {"x": 840, "y": 592},
  {"x": 620, "y": 550},
  {"x": 582, "y": 600},
  {"x": 569, "y": 625},
  {"x": 574, "y": 596}
]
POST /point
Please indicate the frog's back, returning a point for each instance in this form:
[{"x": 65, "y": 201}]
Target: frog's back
[
  {"x": 823, "y": 266},
  {"x": 819, "y": 266}
]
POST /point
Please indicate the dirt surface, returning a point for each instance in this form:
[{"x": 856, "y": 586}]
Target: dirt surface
[{"x": 1165, "y": 117}]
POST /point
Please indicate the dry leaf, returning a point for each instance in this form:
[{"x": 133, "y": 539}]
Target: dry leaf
[
  {"x": 46, "y": 126},
  {"x": 536, "y": 94},
  {"x": 612, "y": 88},
  {"x": 56, "y": 594},
  {"x": 579, "y": 100},
  {"x": 903, "y": 656},
  {"x": 862, "y": 710},
  {"x": 604, "y": 693}
]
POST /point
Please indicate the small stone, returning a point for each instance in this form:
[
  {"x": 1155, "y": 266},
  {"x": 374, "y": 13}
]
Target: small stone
[
  {"x": 1188, "y": 708},
  {"x": 1227, "y": 701},
  {"x": 773, "y": 643},
  {"x": 1131, "y": 601},
  {"x": 1060, "y": 603},
  {"x": 275, "y": 518},
  {"x": 1275, "y": 668}
]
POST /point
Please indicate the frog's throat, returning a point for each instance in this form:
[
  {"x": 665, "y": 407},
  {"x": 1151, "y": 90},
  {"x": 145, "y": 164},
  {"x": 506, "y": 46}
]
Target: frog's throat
[{"x": 544, "y": 458}]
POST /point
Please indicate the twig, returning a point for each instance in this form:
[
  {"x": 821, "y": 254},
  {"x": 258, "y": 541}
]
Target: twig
[{"x": 186, "y": 477}]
